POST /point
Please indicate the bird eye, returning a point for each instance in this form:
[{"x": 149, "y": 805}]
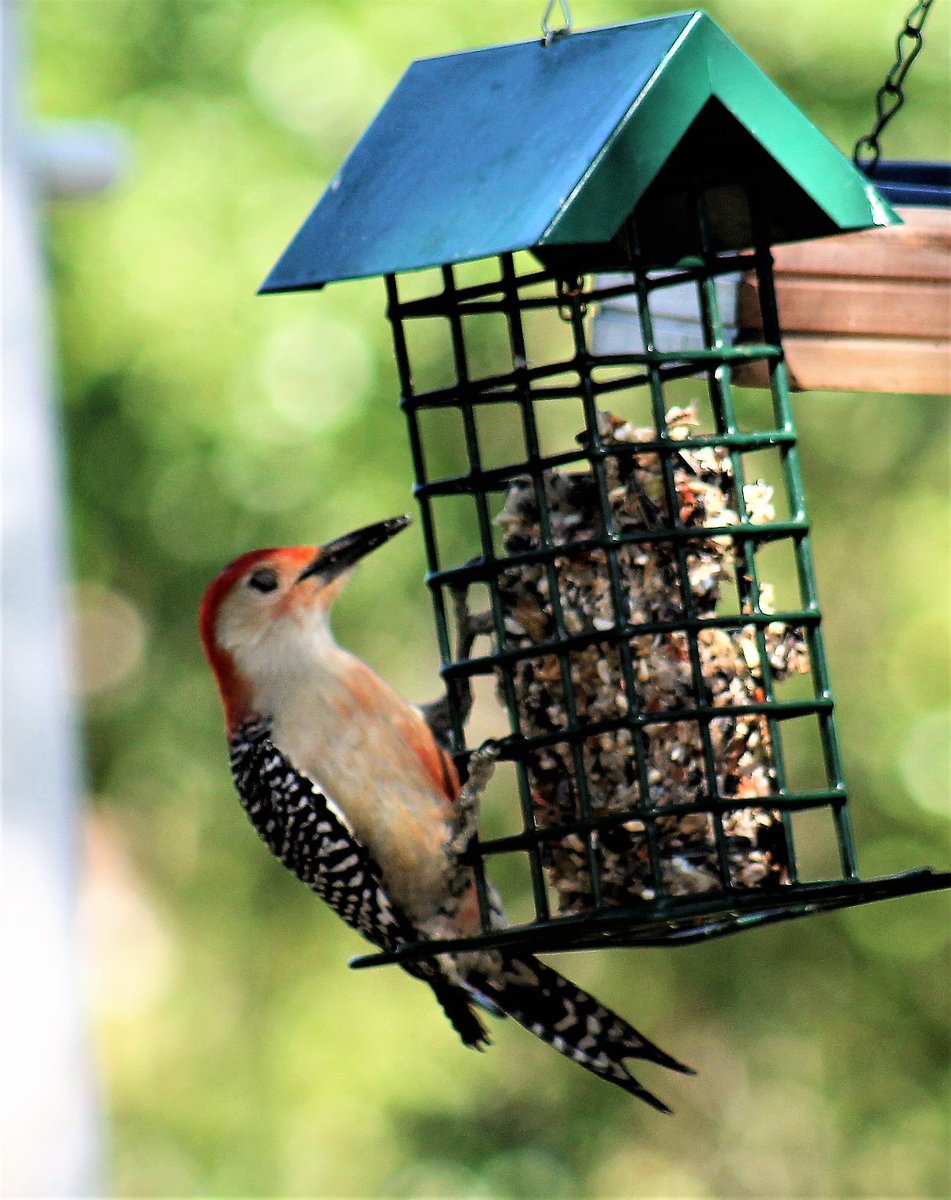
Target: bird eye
[{"x": 264, "y": 580}]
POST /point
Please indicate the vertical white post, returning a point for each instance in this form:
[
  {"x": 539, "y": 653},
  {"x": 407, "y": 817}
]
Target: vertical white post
[{"x": 50, "y": 1114}]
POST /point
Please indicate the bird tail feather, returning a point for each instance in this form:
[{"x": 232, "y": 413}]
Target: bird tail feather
[{"x": 574, "y": 1023}]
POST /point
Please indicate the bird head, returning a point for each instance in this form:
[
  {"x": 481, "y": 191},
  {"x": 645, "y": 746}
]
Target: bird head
[{"x": 267, "y": 614}]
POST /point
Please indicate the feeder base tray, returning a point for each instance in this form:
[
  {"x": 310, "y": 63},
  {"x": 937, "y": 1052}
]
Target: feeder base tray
[{"x": 677, "y": 921}]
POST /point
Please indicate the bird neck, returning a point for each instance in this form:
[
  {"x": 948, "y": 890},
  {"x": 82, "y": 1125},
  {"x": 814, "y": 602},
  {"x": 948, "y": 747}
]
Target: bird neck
[
  {"x": 295, "y": 664},
  {"x": 301, "y": 672}
]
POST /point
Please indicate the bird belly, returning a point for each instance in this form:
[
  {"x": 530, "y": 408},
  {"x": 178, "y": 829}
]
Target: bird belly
[{"x": 372, "y": 770}]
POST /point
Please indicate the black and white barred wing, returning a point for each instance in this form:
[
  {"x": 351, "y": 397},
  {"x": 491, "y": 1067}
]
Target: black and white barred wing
[{"x": 304, "y": 828}]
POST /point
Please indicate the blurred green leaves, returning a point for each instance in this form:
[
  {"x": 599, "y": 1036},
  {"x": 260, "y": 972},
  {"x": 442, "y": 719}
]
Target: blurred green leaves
[{"x": 201, "y": 421}]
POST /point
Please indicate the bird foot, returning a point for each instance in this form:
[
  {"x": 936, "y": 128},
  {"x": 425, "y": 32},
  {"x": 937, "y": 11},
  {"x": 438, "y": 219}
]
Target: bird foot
[{"x": 480, "y": 766}]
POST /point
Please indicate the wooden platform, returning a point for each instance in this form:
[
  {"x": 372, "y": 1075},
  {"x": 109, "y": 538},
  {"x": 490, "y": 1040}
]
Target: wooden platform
[{"x": 864, "y": 312}]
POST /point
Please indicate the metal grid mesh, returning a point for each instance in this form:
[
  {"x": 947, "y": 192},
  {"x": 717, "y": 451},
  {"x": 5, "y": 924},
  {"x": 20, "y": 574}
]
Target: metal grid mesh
[{"x": 517, "y": 295}]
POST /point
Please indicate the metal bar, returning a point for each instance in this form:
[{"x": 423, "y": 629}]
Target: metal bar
[
  {"x": 405, "y": 372},
  {"x": 457, "y": 722},
  {"x": 659, "y": 408},
  {"x": 764, "y": 440},
  {"x": 747, "y": 577},
  {"x": 470, "y": 299},
  {"x": 483, "y": 664},
  {"x": 426, "y": 304},
  {"x": 597, "y": 455},
  {"x": 618, "y": 599},
  {"x": 499, "y": 389},
  {"x": 681, "y": 920},
  {"x": 491, "y": 389},
  {"x": 486, "y": 664},
  {"x": 782, "y": 405},
  {"x": 575, "y": 730},
  {"x": 460, "y": 360},
  {"x": 783, "y": 710},
  {"x": 523, "y": 387},
  {"x": 499, "y": 478},
  {"x": 793, "y": 802}
]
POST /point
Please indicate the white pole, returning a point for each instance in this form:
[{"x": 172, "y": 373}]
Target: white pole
[{"x": 51, "y": 1127}]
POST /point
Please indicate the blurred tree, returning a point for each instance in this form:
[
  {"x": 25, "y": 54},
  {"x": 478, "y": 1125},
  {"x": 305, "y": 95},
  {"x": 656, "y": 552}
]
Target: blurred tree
[{"x": 241, "y": 1056}]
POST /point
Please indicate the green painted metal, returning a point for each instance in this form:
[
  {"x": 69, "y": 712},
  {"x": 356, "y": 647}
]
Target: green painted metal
[
  {"x": 676, "y": 924},
  {"x": 660, "y": 150},
  {"x": 705, "y": 66},
  {"x": 529, "y": 385},
  {"x": 527, "y": 145}
]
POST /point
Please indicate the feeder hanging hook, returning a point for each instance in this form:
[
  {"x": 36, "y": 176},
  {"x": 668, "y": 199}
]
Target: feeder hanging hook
[
  {"x": 891, "y": 96},
  {"x": 547, "y": 28}
]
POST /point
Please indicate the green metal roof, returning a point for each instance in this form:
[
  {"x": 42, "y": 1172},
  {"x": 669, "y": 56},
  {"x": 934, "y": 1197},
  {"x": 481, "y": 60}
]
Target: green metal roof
[{"x": 554, "y": 146}]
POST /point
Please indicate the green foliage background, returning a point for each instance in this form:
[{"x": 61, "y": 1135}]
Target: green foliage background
[{"x": 240, "y": 1057}]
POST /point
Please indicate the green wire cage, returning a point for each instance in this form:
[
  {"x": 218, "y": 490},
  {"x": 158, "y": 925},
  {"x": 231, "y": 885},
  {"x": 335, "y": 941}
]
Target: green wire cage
[{"x": 602, "y": 544}]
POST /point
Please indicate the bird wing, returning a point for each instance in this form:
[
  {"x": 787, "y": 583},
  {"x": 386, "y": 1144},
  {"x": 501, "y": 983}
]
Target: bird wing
[{"x": 307, "y": 831}]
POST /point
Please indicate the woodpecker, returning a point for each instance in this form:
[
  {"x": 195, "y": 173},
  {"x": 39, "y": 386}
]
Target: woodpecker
[{"x": 348, "y": 785}]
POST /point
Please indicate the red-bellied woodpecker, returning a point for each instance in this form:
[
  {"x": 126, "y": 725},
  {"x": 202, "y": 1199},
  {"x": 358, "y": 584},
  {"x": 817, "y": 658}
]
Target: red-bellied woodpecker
[{"x": 347, "y": 784}]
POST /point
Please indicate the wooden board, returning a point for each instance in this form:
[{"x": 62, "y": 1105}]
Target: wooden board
[
  {"x": 866, "y": 311},
  {"x": 919, "y": 249},
  {"x": 864, "y": 307},
  {"x": 913, "y": 366}
]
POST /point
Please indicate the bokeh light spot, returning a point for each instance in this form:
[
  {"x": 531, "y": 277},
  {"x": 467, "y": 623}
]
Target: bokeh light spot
[
  {"x": 301, "y": 65},
  {"x": 110, "y": 635},
  {"x": 315, "y": 371},
  {"x": 926, "y": 762}
]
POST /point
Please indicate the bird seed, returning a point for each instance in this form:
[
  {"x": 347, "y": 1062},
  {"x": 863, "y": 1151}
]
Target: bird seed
[{"x": 600, "y": 776}]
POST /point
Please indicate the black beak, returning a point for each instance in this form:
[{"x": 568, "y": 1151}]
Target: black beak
[{"x": 343, "y": 552}]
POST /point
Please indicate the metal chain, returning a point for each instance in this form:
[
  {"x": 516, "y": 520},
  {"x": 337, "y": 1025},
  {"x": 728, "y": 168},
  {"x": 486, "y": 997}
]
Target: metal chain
[{"x": 890, "y": 96}]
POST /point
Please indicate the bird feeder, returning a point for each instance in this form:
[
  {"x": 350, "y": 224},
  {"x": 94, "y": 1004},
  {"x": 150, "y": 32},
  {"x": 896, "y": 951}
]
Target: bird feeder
[{"x": 617, "y": 539}]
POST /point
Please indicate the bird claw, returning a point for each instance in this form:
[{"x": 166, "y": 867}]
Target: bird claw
[
  {"x": 480, "y": 766},
  {"x": 480, "y": 763}
]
